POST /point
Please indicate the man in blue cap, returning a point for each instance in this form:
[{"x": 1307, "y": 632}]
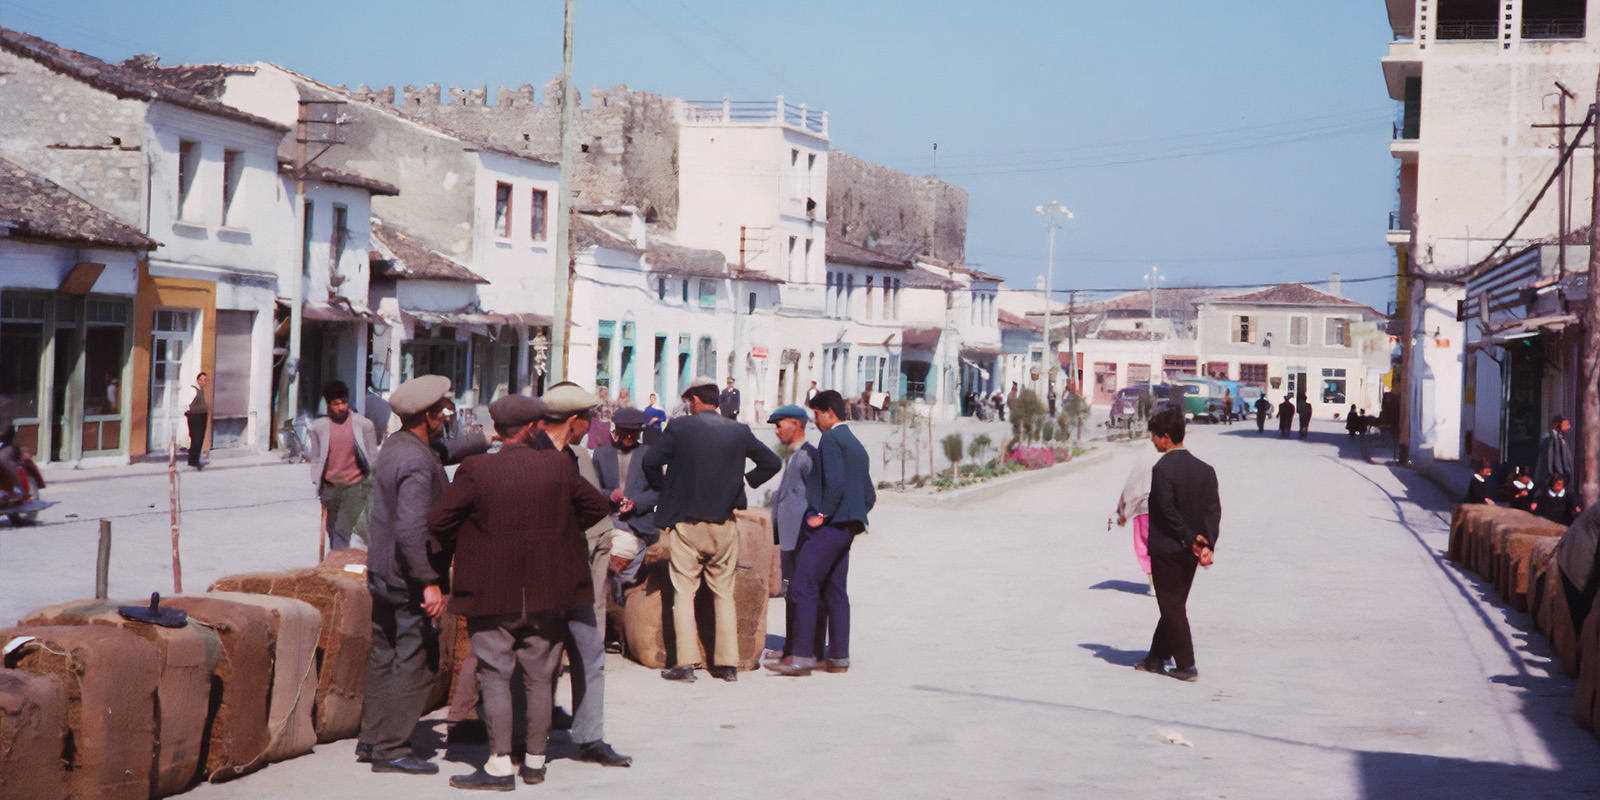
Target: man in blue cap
[{"x": 789, "y": 503}]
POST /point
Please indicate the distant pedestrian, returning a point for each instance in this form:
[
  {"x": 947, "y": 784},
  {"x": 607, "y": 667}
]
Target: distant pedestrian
[
  {"x": 728, "y": 401},
  {"x": 1227, "y": 406},
  {"x": 1185, "y": 517},
  {"x": 198, "y": 415},
  {"x": 1554, "y": 502},
  {"x": 517, "y": 518},
  {"x": 624, "y": 398},
  {"x": 839, "y": 494},
  {"x": 1482, "y": 488},
  {"x": 698, "y": 467},
  {"x": 343, "y": 446},
  {"x": 811, "y": 392},
  {"x": 1353, "y": 424},
  {"x": 403, "y": 579},
  {"x": 1134, "y": 505},
  {"x": 1303, "y": 408},
  {"x": 599, "y": 420},
  {"x": 1285, "y": 417},
  {"x": 1518, "y": 492},
  {"x": 655, "y": 417},
  {"x": 1555, "y": 454},
  {"x": 789, "y": 502},
  {"x": 1263, "y": 408}
]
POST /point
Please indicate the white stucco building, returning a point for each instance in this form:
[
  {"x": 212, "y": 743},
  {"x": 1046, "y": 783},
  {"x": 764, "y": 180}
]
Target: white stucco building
[{"x": 1481, "y": 87}]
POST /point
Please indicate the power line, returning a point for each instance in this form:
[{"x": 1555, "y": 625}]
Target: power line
[
  {"x": 1230, "y": 286},
  {"x": 1103, "y": 259}
]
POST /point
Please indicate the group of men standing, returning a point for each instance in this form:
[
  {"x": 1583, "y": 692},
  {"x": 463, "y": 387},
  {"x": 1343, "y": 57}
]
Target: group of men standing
[
  {"x": 1288, "y": 410},
  {"x": 527, "y": 540}
]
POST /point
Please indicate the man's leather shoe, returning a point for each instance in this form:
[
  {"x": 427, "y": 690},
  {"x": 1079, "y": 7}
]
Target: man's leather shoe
[
  {"x": 483, "y": 781},
  {"x": 363, "y": 753},
  {"x": 409, "y": 765},
  {"x": 682, "y": 672},
  {"x": 834, "y": 665},
  {"x": 602, "y": 754},
  {"x": 729, "y": 674},
  {"x": 1188, "y": 674},
  {"x": 530, "y": 775},
  {"x": 792, "y": 667}
]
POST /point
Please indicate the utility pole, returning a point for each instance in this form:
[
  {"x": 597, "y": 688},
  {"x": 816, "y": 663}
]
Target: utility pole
[
  {"x": 326, "y": 116},
  {"x": 561, "y": 306},
  {"x": 1589, "y": 399},
  {"x": 1051, "y": 211},
  {"x": 1154, "y": 278},
  {"x": 1564, "y": 197}
]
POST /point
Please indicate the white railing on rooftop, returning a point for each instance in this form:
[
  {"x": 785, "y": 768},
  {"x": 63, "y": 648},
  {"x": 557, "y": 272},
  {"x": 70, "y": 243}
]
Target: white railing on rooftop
[{"x": 757, "y": 112}]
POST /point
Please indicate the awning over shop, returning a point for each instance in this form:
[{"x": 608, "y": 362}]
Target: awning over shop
[
  {"x": 980, "y": 351},
  {"x": 926, "y": 337},
  {"x": 342, "y": 311},
  {"x": 1529, "y": 328},
  {"x": 465, "y": 318}
]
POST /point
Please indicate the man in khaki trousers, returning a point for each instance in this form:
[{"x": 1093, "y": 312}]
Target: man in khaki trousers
[{"x": 704, "y": 457}]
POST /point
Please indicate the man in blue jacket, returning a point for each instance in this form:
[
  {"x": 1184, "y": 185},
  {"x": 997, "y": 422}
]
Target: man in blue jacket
[{"x": 839, "y": 492}]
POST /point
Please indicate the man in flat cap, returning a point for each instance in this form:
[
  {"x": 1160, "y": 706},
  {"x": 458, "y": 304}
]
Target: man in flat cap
[
  {"x": 839, "y": 494},
  {"x": 703, "y": 455},
  {"x": 728, "y": 401},
  {"x": 405, "y": 583},
  {"x": 789, "y": 503},
  {"x": 516, "y": 518},
  {"x": 568, "y": 410},
  {"x": 620, "y": 467}
]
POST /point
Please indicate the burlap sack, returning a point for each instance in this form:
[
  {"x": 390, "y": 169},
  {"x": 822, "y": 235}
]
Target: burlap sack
[
  {"x": 108, "y": 678},
  {"x": 33, "y": 736},
  {"x": 295, "y": 629},
  {"x": 1541, "y": 556},
  {"x": 1555, "y": 622},
  {"x": 346, "y": 608},
  {"x": 238, "y": 741},
  {"x": 1512, "y": 573},
  {"x": 758, "y": 547},
  {"x": 1587, "y": 692},
  {"x": 187, "y": 658},
  {"x": 1478, "y": 525},
  {"x": 646, "y": 614},
  {"x": 1501, "y": 532}
]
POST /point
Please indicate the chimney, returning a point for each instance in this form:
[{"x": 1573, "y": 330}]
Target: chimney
[{"x": 1335, "y": 285}]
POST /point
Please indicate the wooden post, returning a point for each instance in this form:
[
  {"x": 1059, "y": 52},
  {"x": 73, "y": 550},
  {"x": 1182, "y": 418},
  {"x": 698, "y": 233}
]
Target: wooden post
[
  {"x": 322, "y": 537},
  {"x": 172, "y": 502},
  {"x": 1589, "y": 397},
  {"x": 102, "y": 563}
]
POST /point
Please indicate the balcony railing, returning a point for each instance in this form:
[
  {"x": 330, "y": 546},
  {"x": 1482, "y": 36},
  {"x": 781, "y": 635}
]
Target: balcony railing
[
  {"x": 1467, "y": 29},
  {"x": 758, "y": 112},
  {"x": 1552, "y": 28}
]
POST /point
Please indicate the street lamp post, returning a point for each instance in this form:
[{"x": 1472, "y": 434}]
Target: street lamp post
[
  {"x": 1153, "y": 278},
  {"x": 1052, "y": 212}
]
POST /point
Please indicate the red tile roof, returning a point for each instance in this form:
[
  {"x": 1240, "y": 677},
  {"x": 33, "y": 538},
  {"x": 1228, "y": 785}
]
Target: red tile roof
[{"x": 34, "y": 207}]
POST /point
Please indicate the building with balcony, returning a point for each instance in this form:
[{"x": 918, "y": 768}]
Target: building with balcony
[{"x": 1483, "y": 87}]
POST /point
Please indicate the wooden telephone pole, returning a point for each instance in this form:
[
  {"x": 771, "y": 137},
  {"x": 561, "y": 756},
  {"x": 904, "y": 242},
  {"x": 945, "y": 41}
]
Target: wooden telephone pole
[{"x": 1589, "y": 397}]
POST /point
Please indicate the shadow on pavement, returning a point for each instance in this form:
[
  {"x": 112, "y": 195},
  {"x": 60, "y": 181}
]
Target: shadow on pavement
[
  {"x": 1411, "y": 775},
  {"x": 1111, "y": 655},
  {"x": 1131, "y": 587}
]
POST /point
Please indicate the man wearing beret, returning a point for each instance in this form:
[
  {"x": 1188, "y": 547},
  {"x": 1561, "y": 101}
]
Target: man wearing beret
[
  {"x": 703, "y": 456},
  {"x": 568, "y": 409},
  {"x": 620, "y": 468},
  {"x": 405, "y": 584},
  {"x": 839, "y": 493},
  {"x": 516, "y": 518},
  {"x": 789, "y": 503}
]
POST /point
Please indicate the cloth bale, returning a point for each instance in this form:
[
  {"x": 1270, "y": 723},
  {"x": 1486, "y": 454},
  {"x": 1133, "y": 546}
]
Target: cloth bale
[
  {"x": 108, "y": 678},
  {"x": 346, "y": 608},
  {"x": 1555, "y": 622},
  {"x": 187, "y": 658},
  {"x": 758, "y": 547},
  {"x": 33, "y": 736},
  {"x": 1513, "y": 570},
  {"x": 238, "y": 741},
  {"x": 1541, "y": 556},
  {"x": 1476, "y": 524},
  {"x": 1501, "y": 532},
  {"x": 1587, "y": 692},
  {"x": 645, "y": 618},
  {"x": 294, "y": 629},
  {"x": 453, "y": 648}
]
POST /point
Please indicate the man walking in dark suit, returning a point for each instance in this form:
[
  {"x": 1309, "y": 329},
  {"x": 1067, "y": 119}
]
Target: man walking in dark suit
[
  {"x": 517, "y": 518},
  {"x": 1185, "y": 513},
  {"x": 839, "y": 493},
  {"x": 703, "y": 455},
  {"x": 728, "y": 401},
  {"x": 1303, "y": 408},
  {"x": 1263, "y": 408},
  {"x": 1285, "y": 417}
]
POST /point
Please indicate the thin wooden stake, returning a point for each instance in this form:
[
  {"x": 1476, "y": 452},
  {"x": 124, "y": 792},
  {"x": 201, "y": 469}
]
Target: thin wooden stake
[{"x": 102, "y": 563}]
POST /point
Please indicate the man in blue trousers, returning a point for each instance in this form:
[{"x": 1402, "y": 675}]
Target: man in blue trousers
[{"x": 839, "y": 492}]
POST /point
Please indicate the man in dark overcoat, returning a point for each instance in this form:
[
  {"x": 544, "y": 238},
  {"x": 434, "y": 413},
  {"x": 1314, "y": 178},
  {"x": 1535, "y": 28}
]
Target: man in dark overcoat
[
  {"x": 516, "y": 520},
  {"x": 1185, "y": 514}
]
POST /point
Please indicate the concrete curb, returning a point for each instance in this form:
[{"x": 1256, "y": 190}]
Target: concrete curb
[
  {"x": 67, "y": 474},
  {"x": 983, "y": 491}
]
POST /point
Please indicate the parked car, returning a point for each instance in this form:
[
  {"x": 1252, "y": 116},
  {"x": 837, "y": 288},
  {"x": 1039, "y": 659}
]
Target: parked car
[{"x": 1202, "y": 397}]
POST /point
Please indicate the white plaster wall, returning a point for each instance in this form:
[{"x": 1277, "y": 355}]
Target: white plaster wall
[{"x": 520, "y": 269}]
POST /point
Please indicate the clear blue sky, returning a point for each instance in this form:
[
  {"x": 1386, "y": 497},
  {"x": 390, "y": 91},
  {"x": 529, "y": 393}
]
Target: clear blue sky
[{"x": 1228, "y": 142}]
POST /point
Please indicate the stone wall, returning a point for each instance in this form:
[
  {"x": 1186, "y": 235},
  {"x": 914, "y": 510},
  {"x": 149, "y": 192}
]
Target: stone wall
[
  {"x": 87, "y": 140},
  {"x": 870, "y": 203},
  {"x": 627, "y": 141}
]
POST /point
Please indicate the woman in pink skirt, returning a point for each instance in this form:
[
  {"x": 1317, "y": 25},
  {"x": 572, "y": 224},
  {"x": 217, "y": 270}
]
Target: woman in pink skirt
[{"x": 1135, "y": 505}]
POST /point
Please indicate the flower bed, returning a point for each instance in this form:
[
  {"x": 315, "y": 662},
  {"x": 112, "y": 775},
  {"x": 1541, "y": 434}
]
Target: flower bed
[{"x": 1039, "y": 456}]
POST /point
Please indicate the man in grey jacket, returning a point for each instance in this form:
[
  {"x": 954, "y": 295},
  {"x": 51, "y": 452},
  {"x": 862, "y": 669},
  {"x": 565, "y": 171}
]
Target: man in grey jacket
[
  {"x": 343, "y": 446},
  {"x": 789, "y": 502},
  {"x": 405, "y": 584}
]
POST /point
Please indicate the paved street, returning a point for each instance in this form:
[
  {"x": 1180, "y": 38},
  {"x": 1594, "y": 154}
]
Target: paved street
[{"x": 1339, "y": 655}]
